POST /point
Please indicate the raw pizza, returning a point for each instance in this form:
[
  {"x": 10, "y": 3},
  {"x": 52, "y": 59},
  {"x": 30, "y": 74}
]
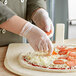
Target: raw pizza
[{"x": 63, "y": 59}]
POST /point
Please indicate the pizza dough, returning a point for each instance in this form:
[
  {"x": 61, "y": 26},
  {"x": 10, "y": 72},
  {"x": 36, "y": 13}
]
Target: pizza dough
[{"x": 38, "y": 61}]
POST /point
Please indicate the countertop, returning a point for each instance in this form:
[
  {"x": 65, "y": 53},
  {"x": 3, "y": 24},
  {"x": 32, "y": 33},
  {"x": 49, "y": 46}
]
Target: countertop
[{"x": 3, "y": 70}]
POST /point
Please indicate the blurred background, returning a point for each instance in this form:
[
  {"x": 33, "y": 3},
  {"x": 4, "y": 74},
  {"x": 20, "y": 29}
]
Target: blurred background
[{"x": 63, "y": 11}]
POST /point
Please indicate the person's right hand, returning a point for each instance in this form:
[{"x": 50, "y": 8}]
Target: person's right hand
[{"x": 37, "y": 38}]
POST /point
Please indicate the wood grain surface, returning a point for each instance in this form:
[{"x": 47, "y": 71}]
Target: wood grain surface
[{"x": 3, "y": 70}]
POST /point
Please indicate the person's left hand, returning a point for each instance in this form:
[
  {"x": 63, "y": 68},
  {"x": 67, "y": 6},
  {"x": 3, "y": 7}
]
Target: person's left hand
[{"x": 43, "y": 21}]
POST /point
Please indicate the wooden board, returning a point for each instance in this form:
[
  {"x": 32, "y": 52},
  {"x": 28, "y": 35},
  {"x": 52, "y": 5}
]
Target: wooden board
[{"x": 11, "y": 62}]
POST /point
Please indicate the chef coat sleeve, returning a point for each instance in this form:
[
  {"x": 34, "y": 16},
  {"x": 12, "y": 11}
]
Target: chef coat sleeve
[
  {"x": 33, "y": 5},
  {"x": 5, "y": 13}
]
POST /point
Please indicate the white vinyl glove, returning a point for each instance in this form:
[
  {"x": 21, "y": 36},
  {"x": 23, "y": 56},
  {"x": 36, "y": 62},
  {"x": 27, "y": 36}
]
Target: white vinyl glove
[
  {"x": 37, "y": 38},
  {"x": 43, "y": 21}
]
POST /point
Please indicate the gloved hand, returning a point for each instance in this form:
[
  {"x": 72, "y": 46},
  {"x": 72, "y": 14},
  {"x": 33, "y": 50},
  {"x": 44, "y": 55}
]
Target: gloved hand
[
  {"x": 43, "y": 21},
  {"x": 36, "y": 37}
]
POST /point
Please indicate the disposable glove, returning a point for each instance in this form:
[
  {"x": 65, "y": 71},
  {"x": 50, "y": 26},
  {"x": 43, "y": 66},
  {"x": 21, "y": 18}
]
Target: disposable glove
[
  {"x": 43, "y": 21},
  {"x": 37, "y": 38}
]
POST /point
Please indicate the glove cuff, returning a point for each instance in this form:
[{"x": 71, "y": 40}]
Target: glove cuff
[
  {"x": 40, "y": 12},
  {"x": 26, "y": 29}
]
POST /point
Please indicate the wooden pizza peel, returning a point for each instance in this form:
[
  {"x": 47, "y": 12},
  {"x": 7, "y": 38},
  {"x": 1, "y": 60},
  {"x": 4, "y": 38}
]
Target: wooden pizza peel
[{"x": 11, "y": 62}]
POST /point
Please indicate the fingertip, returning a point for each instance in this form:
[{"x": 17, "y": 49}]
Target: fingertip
[
  {"x": 40, "y": 46},
  {"x": 47, "y": 28},
  {"x": 41, "y": 49},
  {"x": 36, "y": 49},
  {"x": 45, "y": 46},
  {"x": 50, "y": 46}
]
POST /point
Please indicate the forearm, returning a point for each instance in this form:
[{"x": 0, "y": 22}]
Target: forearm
[
  {"x": 36, "y": 37},
  {"x": 14, "y": 24}
]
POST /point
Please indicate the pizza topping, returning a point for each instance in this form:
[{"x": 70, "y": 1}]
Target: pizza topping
[
  {"x": 70, "y": 63},
  {"x": 34, "y": 64},
  {"x": 44, "y": 66},
  {"x": 58, "y": 62},
  {"x": 72, "y": 54},
  {"x": 54, "y": 53},
  {"x": 63, "y": 52},
  {"x": 71, "y": 58},
  {"x": 42, "y": 60},
  {"x": 48, "y": 54},
  {"x": 61, "y": 68},
  {"x": 48, "y": 33},
  {"x": 63, "y": 57},
  {"x": 61, "y": 47},
  {"x": 72, "y": 49}
]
